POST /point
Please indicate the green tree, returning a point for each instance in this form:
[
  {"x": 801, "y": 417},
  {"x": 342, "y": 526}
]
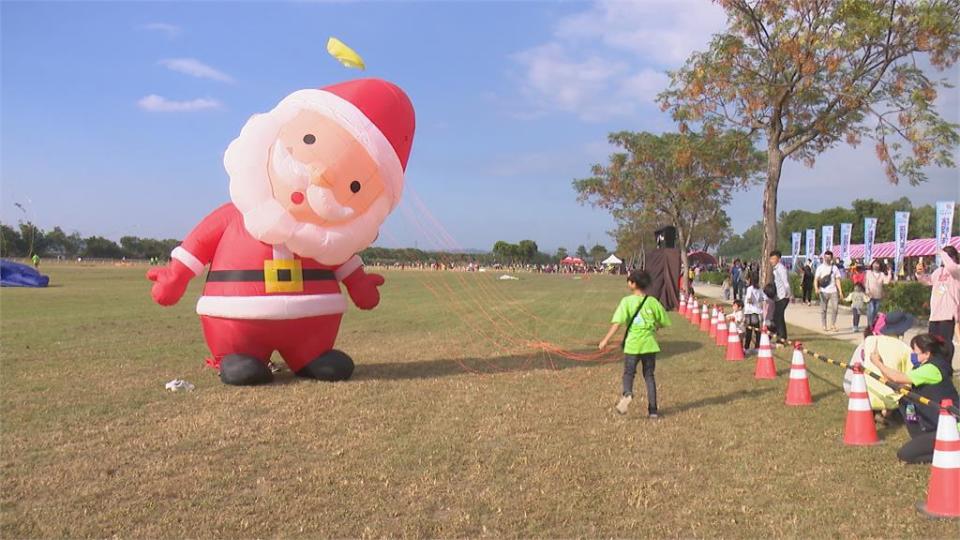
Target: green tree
[
  {"x": 561, "y": 253},
  {"x": 681, "y": 178},
  {"x": 598, "y": 253},
  {"x": 712, "y": 230},
  {"x": 506, "y": 252},
  {"x": 527, "y": 250},
  {"x": 11, "y": 243},
  {"x": 33, "y": 238},
  {"x": 102, "y": 248},
  {"x": 806, "y": 76},
  {"x": 745, "y": 245},
  {"x": 582, "y": 252},
  {"x": 132, "y": 246}
]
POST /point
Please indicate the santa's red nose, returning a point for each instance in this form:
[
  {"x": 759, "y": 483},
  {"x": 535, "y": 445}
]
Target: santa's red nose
[{"x": 296, "y": 197}]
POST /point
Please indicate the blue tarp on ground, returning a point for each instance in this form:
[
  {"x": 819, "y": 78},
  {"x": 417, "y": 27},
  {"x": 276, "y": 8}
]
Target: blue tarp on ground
[{"x": 20, "y": 275}]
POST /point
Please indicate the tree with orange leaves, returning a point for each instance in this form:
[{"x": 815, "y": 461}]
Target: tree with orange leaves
[
  {"x": 803, "y": 76},
  {"x": 679, "y": 179}
]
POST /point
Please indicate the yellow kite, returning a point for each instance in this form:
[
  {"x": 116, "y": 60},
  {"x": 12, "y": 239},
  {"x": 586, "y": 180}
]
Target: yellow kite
[{"x": 344, "y": 54}]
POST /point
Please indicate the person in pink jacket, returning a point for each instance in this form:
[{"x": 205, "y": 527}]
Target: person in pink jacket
[{"x": 944, "y": 295}]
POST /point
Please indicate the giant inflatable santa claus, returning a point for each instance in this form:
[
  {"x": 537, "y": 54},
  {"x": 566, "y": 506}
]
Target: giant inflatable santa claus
[{"x": 310, "y": 183}]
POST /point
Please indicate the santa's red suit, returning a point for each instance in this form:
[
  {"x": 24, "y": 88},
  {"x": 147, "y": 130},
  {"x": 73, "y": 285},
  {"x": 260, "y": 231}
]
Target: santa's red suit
[{"x": 262, "y": 296}]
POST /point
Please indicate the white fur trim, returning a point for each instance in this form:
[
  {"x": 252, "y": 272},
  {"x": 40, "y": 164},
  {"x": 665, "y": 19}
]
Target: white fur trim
[
  {"x": 281, "y": 251},
  {"x": 188, "y": 259},
  {"x": 272, "y": 307},
  {"x": 348, "y": 267}
]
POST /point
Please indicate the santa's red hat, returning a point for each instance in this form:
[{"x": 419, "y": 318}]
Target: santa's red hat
[
  {"x": 386, "y": 106},
  {"x": 378, "y": 114}
]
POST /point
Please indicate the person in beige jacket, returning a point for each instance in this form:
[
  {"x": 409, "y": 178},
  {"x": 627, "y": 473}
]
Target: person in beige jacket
[{"x": 877, "y": 276}]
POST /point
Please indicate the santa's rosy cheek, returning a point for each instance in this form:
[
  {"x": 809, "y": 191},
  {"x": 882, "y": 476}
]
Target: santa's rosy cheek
[{"x": 296, "y": 197}]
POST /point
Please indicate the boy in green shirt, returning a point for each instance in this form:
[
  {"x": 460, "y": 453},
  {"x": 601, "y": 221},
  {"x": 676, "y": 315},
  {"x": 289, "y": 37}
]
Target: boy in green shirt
[{"x": 643, "y": 315}]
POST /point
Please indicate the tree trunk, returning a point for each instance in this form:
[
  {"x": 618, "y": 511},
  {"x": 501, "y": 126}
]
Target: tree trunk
[
  {"x": 684, "y": 268},
  {"x": 774, "y": 168}
]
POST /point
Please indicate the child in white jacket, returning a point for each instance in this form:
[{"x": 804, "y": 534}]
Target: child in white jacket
[{"x": 754, "y": 302}]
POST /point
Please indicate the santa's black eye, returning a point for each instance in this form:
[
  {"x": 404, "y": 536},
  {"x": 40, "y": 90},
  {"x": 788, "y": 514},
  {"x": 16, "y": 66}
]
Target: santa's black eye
[
  {"x": 354, "y": 186},
  {"x": 309, "y": 138}
]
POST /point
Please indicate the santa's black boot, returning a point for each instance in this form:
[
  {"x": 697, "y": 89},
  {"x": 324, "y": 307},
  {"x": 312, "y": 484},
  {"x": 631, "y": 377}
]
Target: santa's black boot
[
  {"x": 332, "y": 366},
  {"x": 240, "y": 370}
]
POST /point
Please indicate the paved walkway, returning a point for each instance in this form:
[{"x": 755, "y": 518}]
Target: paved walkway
[{"x": 808, "y": 318}]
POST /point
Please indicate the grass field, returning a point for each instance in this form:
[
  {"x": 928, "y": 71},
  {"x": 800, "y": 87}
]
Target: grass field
[{"x": 452, "y": 426}]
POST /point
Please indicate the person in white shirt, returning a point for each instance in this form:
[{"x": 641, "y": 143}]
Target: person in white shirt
[
  {"x": 754, "y": 303},
  {"x": 782, "y": 283},
  {"x": 826, "y": 283}
]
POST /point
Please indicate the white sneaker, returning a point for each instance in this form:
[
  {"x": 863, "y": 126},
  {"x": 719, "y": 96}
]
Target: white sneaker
[{"x": 624, "y": 404}]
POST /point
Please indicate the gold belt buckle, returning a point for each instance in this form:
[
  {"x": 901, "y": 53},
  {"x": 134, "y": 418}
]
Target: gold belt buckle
[{"x": 283, "y": 275}]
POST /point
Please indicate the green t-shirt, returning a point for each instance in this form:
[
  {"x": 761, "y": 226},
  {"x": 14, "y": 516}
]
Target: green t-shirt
[
  {"x": 925, "y": 374},
  {"x": 642, "y": 338}
]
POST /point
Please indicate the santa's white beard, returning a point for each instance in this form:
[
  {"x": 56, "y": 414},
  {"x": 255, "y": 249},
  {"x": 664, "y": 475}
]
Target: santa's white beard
[
  {"x": 296, "y": 176},
  {"x": 268, "y": 221},
  {"x": 335, "y": 244},
  {"x": 247, "y": 161}
]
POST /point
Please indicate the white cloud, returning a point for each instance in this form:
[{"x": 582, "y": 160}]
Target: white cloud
[
  {"x": 563, "y": 162},
  {"x": 554, "y": 80},
  {"x": 663, "y": 32},
  {"x": 645, "y": 85},
  {"x": 839, "y": 176},
  {"x": 195, "y": 68},
  {"x": 155, "y": 103},
  {"x": 609, "y": 61},
  {"x": 170, "y": 30}
]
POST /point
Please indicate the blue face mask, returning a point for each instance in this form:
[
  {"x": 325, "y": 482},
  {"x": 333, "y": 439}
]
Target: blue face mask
[{"x": 914, "y": 359}]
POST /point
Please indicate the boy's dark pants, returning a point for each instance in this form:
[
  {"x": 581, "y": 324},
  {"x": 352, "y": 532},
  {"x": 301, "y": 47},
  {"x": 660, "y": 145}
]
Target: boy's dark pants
[{"x": 648, "y": 363}]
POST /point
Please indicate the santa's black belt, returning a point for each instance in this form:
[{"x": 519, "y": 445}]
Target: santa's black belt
[{"x": 309, "y": 274}]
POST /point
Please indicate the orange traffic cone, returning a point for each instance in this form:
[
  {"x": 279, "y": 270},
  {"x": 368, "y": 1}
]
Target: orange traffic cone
[
  {"x": 765, "y": 366},
  {"x": 943, "y": 490},
  {"x": 734, "y": 347},
  {"x": 860, "y": 429},
  {"x": 695, "y": 312},
  {"x": 798, "y": 389},
  {"x": 704, "y": 319},
  {"x": 721, "y": 329},
  {"x": 682, "y": 305},
  {"x": 691, "y": 303},
  {"x": 713, "y": 322}
]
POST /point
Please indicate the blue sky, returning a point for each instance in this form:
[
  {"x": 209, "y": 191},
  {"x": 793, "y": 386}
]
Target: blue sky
[{"x": 115, "y": 116}]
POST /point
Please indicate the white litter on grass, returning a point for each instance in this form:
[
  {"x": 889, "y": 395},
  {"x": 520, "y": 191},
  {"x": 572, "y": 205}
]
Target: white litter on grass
[
  {"x": 179, "y": 385},
  {"x": 505, "y": 277}
]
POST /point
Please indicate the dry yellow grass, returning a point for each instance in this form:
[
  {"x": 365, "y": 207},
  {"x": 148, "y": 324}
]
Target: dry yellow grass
[{"x": 450, "y": 427}]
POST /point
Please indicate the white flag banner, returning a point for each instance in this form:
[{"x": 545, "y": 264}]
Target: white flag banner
[
  {"x": 901, "y": 227},
  {"x": 795, "y": 248},
  {"x": 869, "y": 232},
  {"x": 846, "y": 231},
  {"x": 944, "y": 225},
  {"x": 811, "y": 243},
  {"x": 826, "y": 240}
]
